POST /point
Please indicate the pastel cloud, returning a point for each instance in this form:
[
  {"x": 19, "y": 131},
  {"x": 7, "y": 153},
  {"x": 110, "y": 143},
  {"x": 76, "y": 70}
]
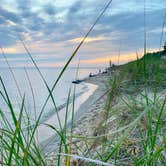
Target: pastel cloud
[{"x": 88, "y": 39}]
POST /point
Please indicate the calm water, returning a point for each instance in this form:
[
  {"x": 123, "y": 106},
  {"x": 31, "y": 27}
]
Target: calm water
[{"x": 60, "y": 93}]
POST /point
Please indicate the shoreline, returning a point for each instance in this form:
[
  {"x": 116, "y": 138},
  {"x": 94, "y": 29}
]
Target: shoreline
[
  {"x": 60, "y": 107},
  {"x": 45, "y": 137},
  {"x": 82, "y": 111}
]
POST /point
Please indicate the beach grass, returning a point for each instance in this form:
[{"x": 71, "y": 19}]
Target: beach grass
[
  {"x": 133, "y": 85},
  {"x": 134, "y": 97},
  {"x": 139, "y": 135}
]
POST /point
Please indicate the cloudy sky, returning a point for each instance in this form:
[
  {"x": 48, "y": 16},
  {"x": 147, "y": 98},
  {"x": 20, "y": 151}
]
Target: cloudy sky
[{"x": 52, "y": 29}]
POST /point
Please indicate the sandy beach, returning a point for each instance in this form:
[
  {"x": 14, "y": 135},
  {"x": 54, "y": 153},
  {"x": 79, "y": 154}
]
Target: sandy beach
[{"x": 89, "y": 104}]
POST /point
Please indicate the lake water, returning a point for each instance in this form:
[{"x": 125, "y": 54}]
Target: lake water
[{"x": 40, "y": 91}]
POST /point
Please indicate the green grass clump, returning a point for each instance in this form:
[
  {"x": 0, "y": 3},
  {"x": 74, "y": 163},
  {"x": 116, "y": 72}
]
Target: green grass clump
[
  {"x": 134, "y": 91},
  {"x": 153, "y": 77}
]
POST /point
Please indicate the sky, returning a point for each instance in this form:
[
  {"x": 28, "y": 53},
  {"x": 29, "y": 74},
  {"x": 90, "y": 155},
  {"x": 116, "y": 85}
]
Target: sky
[{"x": 52, "y": 29}]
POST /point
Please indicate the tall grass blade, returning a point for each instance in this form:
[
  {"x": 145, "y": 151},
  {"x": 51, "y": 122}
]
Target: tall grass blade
[
  {"x": 162, "y": 32},
  {"x": 17, "y": 130}
]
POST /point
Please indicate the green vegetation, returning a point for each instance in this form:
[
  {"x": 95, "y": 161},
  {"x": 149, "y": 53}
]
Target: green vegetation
[
  {"x": 154, "y": 72},
  {"x": 134, "y": 93},
  {"x": 136, "y": 136}
]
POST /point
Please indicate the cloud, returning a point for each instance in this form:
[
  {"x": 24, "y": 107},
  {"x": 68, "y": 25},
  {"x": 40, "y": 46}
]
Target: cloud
[
  {"x": 34, "y": 48},
  {"x": 75, "y": 7},
  {"x": 49, "y": 9},
  {"x": 88, "y": 39},
  {"x": 7, "y": 15}
]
